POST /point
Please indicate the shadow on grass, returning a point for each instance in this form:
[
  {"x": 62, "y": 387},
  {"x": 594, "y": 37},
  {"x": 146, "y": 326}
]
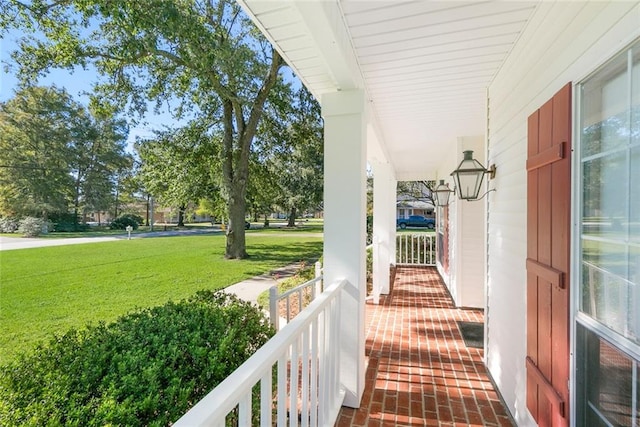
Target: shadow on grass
[{"x": 277, "y": 254}]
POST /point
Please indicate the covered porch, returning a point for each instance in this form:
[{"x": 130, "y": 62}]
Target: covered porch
[
  {"x": 406, "y": 88},
  {"x": 419, "y": 370}
]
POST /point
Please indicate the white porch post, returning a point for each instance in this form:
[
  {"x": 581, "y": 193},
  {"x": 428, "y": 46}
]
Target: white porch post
[
  {"x": 384, "y": 230},
  {"x": 469, "y": 244},
  {"x": 345, "y": 226}
]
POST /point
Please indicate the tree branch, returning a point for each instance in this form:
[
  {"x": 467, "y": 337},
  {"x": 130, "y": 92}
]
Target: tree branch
[
  {"x": 40, "y": 10},
  {"x": 226, "y": 152},
  {"x": 256, "y": 109}
]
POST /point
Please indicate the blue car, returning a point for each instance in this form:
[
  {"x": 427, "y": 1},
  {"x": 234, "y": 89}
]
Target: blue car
[{"x": 416, "y": 221}]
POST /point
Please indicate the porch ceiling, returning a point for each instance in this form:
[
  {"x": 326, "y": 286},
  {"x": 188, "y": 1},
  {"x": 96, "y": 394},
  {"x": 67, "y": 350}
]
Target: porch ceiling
[{"x": 424, "y": 65}]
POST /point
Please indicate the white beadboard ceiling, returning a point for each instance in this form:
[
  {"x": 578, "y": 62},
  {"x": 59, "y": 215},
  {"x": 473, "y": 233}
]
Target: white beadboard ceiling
[{"x": 424, "y": 65}]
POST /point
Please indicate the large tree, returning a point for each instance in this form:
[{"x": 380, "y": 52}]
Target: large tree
[
  {"x": 34, "y": 173},
  {"x": 205, "y": 55},
  {"x": 56, "y": 155},
  {"x": 96, "y": 159}
]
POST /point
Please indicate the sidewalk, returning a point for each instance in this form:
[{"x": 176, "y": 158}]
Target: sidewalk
[
  {"x": 12, "y": 243},
  {"x": 250, "y": 289}
]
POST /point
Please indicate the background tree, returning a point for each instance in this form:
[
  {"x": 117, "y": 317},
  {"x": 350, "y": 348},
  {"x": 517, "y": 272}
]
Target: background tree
[
  {"x": 97, "y": 157},
  {"x": 263, "y": 190},
  {"x": 417, "y": 190},
  {"x": 179, "y": 167},
  {"x": 205, "y": 54},
  {"x": 55, "y": 154},
  {"x": 296, "y": 155},
  {"x": 127, "y": 190},
  {"x": 34, "y": 135}
]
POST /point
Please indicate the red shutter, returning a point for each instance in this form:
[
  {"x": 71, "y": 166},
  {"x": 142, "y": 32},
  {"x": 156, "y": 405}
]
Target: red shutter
[{"x": 548, "y": 225}]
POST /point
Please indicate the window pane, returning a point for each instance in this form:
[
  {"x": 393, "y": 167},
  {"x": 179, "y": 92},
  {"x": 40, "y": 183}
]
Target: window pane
[
  {"x": 635, "y": 97},
  {"x": 604, "y": 110},
  {"x": 634, "y": 195},
  {"x": 609, "y": 293},
  {"x": 609, "y": 279},
  {"x": 608, "y": 378},
  {"x": 605, "y": 180}
]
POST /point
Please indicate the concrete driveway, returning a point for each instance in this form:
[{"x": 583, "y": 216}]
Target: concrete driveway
[{"x": 12, "y": 243}]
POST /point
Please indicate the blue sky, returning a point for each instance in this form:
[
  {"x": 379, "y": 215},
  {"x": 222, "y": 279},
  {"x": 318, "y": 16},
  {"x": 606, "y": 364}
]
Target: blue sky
[
  {"x": 76, "y": 83},
  {"x": 80, "y": 81}
]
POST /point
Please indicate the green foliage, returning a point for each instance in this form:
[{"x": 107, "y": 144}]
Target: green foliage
[
  {"x": 177, "y": 167},
  {"x": 291, "y": 138},
  {"x": 9, "y": 225},
  {"x": 205, "y": 56},
  {"x": 56, "y": 155},
  {"x": 147, "y": 368},
  {"x": 66, "y": 222},
  {"x": 122, "y": 222},
  {"x": 31, "y": 227}
]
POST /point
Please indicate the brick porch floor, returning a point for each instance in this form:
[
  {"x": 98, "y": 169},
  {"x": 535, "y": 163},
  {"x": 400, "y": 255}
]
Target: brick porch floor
[{"x": 420, "y": 372}]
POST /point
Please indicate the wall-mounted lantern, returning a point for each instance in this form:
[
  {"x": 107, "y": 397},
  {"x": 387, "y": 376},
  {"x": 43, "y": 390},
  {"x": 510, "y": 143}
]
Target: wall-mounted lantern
[
  {"x": 468, "y": 176},
  {"x": 442, "y": 193}
]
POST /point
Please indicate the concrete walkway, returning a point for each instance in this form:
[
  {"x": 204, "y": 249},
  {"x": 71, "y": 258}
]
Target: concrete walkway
[{"x": 250, "y": 289}]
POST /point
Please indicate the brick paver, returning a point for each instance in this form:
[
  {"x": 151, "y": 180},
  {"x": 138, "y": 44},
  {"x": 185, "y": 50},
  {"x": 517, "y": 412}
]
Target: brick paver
[{"x": 420, "y": 373}]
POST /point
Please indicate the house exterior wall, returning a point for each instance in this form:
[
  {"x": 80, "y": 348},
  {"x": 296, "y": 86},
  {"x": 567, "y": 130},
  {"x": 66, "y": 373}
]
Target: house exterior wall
[{"x": 564, "y": 42}]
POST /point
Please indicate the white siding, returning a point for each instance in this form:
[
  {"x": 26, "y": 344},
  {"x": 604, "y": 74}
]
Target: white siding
[{"x": 563, "y": 42}]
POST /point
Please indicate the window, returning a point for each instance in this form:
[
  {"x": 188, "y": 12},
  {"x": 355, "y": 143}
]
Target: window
[{"x": 608, "y": 331}]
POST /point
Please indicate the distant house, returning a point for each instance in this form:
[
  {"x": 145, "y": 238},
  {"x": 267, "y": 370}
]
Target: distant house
[{"x": 406, "y": 207}]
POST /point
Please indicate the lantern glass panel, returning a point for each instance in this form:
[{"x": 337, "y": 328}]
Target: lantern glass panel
[{"x": 469, "y": 184}]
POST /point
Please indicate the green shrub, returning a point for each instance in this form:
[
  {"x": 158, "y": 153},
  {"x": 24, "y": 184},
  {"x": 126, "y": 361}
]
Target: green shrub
[
  {"x": 8, "y": 225},
  {"x": 32, "y": 227},
  {"x": 123, "y": 221},
  {"x": 67, "y": 222},
  {"x": 147, "y": 368}
]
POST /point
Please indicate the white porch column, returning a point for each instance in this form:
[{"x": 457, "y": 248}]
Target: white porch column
[
  {"x": 384, "y": 230},
  {"x": 469, "y": 245},
  {"x": 345, "y": 226}
]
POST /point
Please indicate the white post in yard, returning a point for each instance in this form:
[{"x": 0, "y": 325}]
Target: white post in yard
[
  {"x": 344, "y": 226},
  {"x": 384, "y": 230}
]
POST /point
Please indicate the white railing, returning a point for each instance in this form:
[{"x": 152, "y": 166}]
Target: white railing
[
  {"x": 305, "y": 293},
  {"x": 416, "y": 249},
  {"x": 306, "y": 390}
]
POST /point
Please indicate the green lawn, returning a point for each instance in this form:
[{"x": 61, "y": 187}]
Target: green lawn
[{"x": 52, "y": 289}]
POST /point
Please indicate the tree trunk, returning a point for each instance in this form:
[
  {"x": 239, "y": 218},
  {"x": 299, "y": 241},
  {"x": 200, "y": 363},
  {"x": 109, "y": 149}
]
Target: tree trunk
[
  {"x": 147, "y": 224},
  {"x": 181, "y": 210},
  {"x": 236, "y": 148},
  {"x": 266, "y": 221},
  {"x": 116, "y": 202},
  {"x": 236, "y": 245},
  {"x": 292, "y": 217},
  {"x": 76, "y": 203}
]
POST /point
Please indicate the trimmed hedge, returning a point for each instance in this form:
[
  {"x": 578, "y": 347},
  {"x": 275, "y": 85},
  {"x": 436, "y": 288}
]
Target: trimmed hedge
[{"x": 147, "y": 368}]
